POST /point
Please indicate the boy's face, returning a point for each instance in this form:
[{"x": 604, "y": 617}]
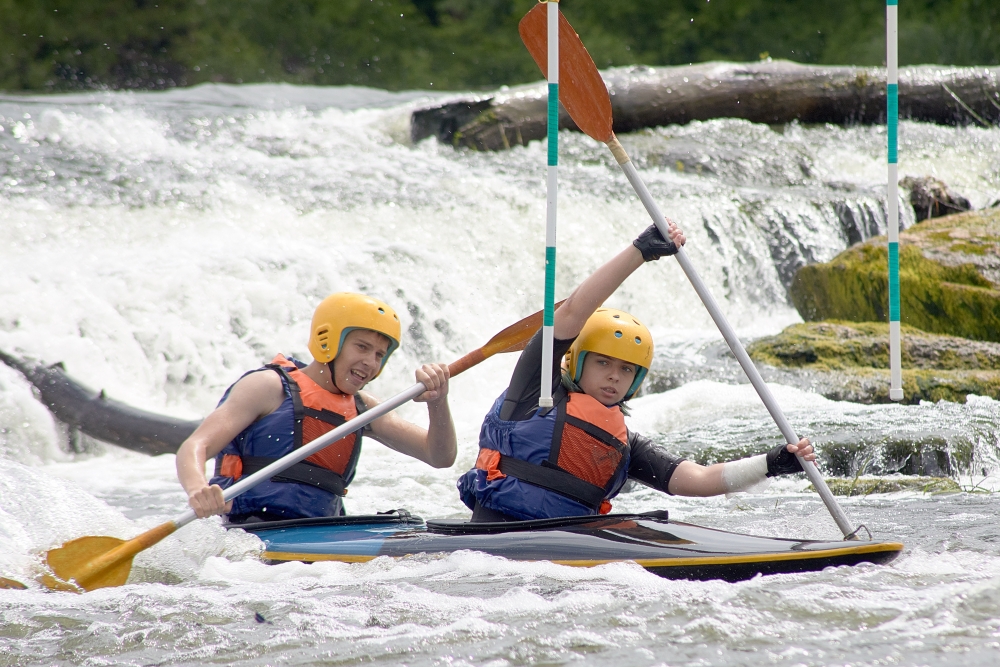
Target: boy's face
[
  {"x": 606, "y": 378},
  {"x": 359, "y": 359}
]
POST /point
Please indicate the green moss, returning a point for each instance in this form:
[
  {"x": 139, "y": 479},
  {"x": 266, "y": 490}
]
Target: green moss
[
  {"x": 862, "y": 486},
  {"x": 970, "y": 248},
  {"x": 853, "y": 360},
  {"x": 939, "y": 292},
  {"x": 890, "y": 454}
]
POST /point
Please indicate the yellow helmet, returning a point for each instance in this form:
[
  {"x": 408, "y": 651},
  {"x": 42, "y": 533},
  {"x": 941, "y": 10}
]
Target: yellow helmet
[
  {"x": 613, "y": 333},
  {"x": 339, "y": 314}
]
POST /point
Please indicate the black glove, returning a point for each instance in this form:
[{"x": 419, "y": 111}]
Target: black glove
[
  {"x": 653, "y": 246},
  {"x": 780, "y": 461}
]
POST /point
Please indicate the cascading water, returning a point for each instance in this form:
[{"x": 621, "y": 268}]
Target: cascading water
[{"x": 160, "y": 244}]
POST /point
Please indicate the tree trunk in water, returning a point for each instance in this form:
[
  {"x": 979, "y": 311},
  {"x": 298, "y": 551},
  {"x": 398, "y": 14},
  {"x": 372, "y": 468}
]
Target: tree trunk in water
[{"x": 765, "y": 92}]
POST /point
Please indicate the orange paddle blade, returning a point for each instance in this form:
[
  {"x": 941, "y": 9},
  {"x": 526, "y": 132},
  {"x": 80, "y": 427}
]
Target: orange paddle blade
[
  {"x": 511, "y": 339},
  {"x": 87, "y": 563},
  {"x": 67, "y": 563},
  {"x": 581, "y": 88},
  {"x": 10, "y": 583}
]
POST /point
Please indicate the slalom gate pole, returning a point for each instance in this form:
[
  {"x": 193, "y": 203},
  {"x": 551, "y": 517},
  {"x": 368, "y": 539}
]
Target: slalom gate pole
[
  {"x": 545, "y": 398},
  {"x": 892, "y": 196}
]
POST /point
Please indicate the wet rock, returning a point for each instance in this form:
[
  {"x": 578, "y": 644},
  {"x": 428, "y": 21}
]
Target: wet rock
[
  {"x": 949, "y": 274},
  {"x": 931, "y": 198},
  {"x": 849, "y": 361},
  {"x": 849, "y": 454}
]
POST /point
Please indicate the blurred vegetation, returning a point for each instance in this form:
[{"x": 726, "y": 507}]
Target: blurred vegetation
[{"x": 450, "y": 44}]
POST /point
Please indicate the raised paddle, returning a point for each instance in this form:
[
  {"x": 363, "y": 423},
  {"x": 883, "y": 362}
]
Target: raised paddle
[
  {"x": 586, "y": 99},
  {"x": 93, "y": 562}
]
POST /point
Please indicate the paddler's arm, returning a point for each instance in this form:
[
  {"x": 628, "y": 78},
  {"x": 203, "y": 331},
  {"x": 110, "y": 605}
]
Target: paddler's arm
[
  {"x": 601, "y": 284},
  {"x": 254, "y": 396},
  {"x": 691, "y": 479},
  {"x": 437, "y": 445}
]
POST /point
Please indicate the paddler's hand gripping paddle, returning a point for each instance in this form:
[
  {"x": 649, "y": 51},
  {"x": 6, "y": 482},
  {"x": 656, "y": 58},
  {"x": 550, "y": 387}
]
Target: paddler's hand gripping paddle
[
  {"x": 583, "y": 93},
  {"x": 93, "y": 562}
]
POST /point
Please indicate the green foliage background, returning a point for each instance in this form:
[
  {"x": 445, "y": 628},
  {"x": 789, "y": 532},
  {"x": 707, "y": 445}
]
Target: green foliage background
[{"x": 450, "y": 44}]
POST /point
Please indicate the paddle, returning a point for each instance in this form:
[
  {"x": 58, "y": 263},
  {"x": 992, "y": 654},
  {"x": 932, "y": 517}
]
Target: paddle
[
  {"x": 586, "y": 99},
  {"x": 93, "y": 562}
]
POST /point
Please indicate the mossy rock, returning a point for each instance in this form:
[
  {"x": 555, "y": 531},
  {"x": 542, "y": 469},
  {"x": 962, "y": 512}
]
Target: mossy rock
[
  {"x": 948, "y": 268},
  {"x": 850, "y": 361},
  {"x": 863, "y": 486},
  {"x": 844, "y": 453}
]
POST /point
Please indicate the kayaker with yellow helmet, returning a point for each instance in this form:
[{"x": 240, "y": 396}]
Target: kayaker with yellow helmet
[
  {"x": 285, "y": 404},
  {"x": 572, "y": 459}
]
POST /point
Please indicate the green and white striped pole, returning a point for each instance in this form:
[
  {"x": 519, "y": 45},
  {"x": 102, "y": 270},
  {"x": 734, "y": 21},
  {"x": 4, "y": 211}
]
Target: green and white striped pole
[
  {"x": 892, "y": 196},
  {"x": 552, "y": 135}
]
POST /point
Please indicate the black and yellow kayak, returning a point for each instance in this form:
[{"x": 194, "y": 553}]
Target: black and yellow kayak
[{"x": 667, "y": 548}]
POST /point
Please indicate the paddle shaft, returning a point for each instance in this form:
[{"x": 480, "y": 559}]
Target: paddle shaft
[
  {"x": 304, "y": 452},
  {"x": 586, "y": 99},
  {"x": 730, "y": 335}
]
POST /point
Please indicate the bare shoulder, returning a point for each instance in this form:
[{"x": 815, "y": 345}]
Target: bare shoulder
[
  {"x": 261, "y": 393},
  {"x": 383, "y": 427},
  {"x": 368, "y": 399}
]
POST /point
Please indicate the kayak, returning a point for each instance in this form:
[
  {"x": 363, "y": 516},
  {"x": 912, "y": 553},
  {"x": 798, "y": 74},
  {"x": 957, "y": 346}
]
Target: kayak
[{"x": 670, "y": 549}]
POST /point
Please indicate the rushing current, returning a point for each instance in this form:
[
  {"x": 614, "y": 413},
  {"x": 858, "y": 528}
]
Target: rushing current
[{"x": 161, "y": 244}]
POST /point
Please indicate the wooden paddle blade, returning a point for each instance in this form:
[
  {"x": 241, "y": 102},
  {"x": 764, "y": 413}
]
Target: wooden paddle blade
[
  {"x": 517, "y": 335},
  {"x": 511, "y": 339},
  {"x": 581, "y": 88},
  {"x": 93, "y": 562},
  {"x": 10, "y": 583},
  {"x": 69, "y": 561}
]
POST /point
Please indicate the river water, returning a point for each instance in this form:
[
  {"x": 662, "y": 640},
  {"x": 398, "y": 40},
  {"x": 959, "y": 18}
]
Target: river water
[{"x": 160, "y": 244}]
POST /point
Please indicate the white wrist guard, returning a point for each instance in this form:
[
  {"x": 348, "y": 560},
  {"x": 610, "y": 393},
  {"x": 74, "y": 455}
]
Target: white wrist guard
[{"x": 746, "y": 474}]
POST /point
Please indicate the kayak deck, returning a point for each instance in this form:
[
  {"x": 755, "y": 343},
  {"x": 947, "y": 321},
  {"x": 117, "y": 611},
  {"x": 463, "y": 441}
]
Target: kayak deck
[{"x": 667, "y": 548}]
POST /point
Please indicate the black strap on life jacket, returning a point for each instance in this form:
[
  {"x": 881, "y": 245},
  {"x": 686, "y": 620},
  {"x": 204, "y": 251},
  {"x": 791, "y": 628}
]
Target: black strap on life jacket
[
  {"x": 304, "y": 472},
  {"x": 549, "y": 475},
  {"x": 554, "y": 479}
]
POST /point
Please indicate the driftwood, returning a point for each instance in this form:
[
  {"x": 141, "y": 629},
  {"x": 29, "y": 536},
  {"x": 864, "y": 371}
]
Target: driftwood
[
  {"x": 100, "y": 417},
  {"x": 764, "y": 92}
]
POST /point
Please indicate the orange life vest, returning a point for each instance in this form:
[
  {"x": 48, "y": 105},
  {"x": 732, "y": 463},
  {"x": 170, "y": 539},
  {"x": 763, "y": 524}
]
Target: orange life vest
[
  {"x": 315, "y": 412},
  {"x": 578, "y": 450}
]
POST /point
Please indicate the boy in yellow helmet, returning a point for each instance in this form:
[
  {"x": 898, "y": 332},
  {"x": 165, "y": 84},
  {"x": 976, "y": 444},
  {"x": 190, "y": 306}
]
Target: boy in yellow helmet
[
  {"x": 275, "y": 409},
  {"x": 573, "y": 459}
]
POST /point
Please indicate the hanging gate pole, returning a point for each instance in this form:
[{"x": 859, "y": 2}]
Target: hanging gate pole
[
  {"x": 892, "y": 196},
  {"x": 545, "y": 399}
]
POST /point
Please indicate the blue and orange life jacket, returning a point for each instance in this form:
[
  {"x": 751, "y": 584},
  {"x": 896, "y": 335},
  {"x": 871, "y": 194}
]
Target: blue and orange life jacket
[
  {"x": 568, "y": 461},
  {"x": 312, "y": 487}
]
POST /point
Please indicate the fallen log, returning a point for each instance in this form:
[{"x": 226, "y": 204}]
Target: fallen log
[
  {"x": 773, "y": 92},
  {"x": 100, "y": 417}
]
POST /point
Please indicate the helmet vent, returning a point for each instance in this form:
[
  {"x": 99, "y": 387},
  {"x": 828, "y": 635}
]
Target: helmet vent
[
  {"x": 381, "y": 311},
  {"x": 638, "y": 341},
  {"x": 618, "y": 334},
  {"x": 616, "y": 316},
  {"x": 323, "y": 337}
]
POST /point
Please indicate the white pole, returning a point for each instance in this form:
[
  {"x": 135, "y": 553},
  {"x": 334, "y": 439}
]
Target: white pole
[
  {"x": 892, "y": 196},
  {"x": 545, "y": 398}
]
